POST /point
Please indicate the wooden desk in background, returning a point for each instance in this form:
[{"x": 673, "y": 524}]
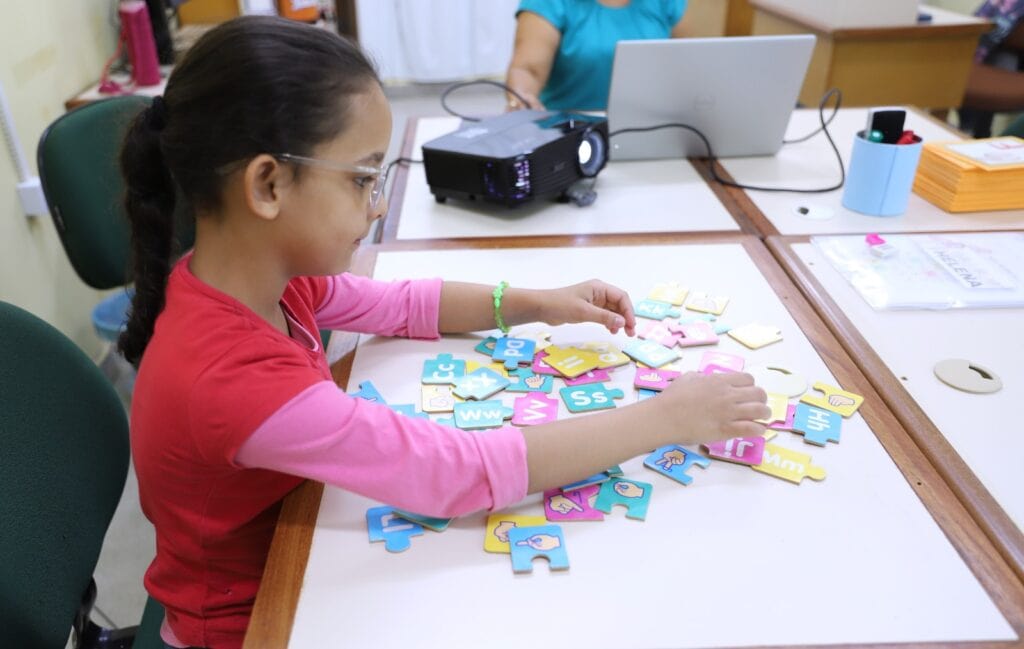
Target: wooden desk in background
[{"x": 922, "y": 65}]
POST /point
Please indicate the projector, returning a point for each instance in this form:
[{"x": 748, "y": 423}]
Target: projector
[{"x": 516, "y": 157}]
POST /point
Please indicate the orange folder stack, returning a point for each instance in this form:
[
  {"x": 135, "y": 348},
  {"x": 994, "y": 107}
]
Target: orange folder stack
[{"x": 973, "y": 175}]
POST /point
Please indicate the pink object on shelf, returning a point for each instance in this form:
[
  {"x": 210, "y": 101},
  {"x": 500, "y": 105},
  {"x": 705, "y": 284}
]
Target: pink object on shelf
[{"x": 138, "y": 34}]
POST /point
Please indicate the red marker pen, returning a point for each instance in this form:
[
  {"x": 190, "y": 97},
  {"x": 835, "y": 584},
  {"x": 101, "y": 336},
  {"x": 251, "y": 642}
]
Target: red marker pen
[{"x": 908, "y": 137}]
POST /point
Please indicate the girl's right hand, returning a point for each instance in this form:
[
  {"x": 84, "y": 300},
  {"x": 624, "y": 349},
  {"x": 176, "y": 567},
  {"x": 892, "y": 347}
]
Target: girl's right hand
[{"x": 706, "y": 408}]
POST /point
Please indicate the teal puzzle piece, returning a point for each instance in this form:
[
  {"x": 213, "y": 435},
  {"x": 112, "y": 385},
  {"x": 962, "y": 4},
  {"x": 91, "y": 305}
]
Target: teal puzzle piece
[
  {"x": 635, "y": 495},
  {"x": 526, "y": 380},
  {"x": 409, "y": 410},
  {"x": 429, "y": 522},
  {"x": 650, "y": 353},
  {"x": 514, "y": 352},
  {"x": 592, "y": 396},
  {"x": 383, "y": 525},
  {"x": 480, "y": 384},
  {"x": 368, "y": 392},
  {"x": 528, "y": 543},
  {"x": 597, "y": 478},
  {"x": 471, "y": 415},
  {"x": 486, "y": 346},
  {"x": 655, "y": 310},
  {"x": 674, "y": 461},
  {"x": 443, "y": 370}
]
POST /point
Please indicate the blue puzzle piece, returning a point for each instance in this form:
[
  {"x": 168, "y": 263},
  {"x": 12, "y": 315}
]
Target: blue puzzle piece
[
  {"x": 480, "y": 384},
  {"x": 635, "y": 495},
  {"x": 650, "y": 353},
  {"x": 700, "y": 317},
  {"x": 721, "y": 328},
  {"x": 526, "y": 380},
  {"x": 368, "y": 392},
  {"x": 819, "y": 426},
  {"x": 644, "y": 393},
  {"x": 674, "y": 461},
  {"x": 597, "y": 478},
  {"x": 655, "y": 310},
  {"x": 429, "y": 522},
  {"x": 514, "y": 352},
  {"x": 592, "y": 396},
  {"x": 486, "y": 346},
  {"x": 443, "y": 370},
  {"x": 471, "y": 415},
  {"x": 384, "y": 525},
  {"x": 446, "y": 421},
  {"x": 527, "y": 543},
  {"x": 409, "y": 410}
]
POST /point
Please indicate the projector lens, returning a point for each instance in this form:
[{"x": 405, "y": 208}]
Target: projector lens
[{"x": 592, "y": 153}]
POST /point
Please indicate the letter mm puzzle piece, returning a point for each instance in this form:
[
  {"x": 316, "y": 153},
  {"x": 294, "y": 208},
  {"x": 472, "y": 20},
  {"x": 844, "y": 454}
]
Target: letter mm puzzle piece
[
  {"x": 534, "y": 408},
  {"x": 528, "y": 543},
  {"x": 818, "y": 426},
  {"x": 480, "y": 384},
  {"x": 834, "y": 399},
  {"x": 443, "y": 370},
  {"x": 575, "y": 505},
  {"x": 789, "y": 465},
  {"x": 655, "y": 310},
  {"x": 634, "y": 495},
  {"x": 499, "y": 525},
  {"x": 741, "y": 450},
  {"x": 384, "y": 525},
  {"x": 513, "y": 352},
  {"x": 674, "y": 461},
  {"x": 650, "y": 353},
  {"x": 474, "y": 415},
  {"x": 594, "y": 396}
]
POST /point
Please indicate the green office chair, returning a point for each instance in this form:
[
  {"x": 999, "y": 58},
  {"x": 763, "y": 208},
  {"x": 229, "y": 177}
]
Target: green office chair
[{"x": 64, "y": 444}]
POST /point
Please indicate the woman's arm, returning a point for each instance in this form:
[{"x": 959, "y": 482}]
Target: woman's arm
[{"x": 533, "y": 54}]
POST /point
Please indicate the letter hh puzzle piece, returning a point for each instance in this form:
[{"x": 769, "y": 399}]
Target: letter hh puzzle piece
[
  {"x": 528, "y": 543},
  {"x": 480, "y": 384},
  {"x": 817, "y": 426},
  {"x": 674, "y": 462},
  {"x": 834, "y": 399},
  {"x": 659, "y": 332},
  {"x": 653, "y": 379},
  {"x": 655, "y": 310},
  {"x": 409, "y": 410},
  {"x": 569, "y": 361},
  {"x": 778, "y": 404},
  {"x": 789, "y": 465},
  {"x": 525, "y": 380},
  {"x": 435, "y": 524},
  {"x": 534, "y": 408},
  {"x": 632, "y": 494},
  {"x": 594, "y": 396},
  {"x": 705, "y": 303},
  {"x": 695, "y": 334},
  {"x": 776, "y": 378},
  {"x": 443, "y": 370},
  {"x": 741, "y": 450},
  {"x": 756, "y": 335},
  {"x": 650, "y": 353},
  {"x": 593, "y": 376},
  {"x": 608, "y": 355},
  {"x": 384, "y": 525},
  {"x": 575, "y": 505},
  {"x": 473, "y": 415},
  {"x": 722, "y": 360},
  {"x": 513, "y": 352},
  {"x": 540, "y": 367},
  {"x": 670, "y": 292},
  {"x": 367, "y": 392},
  {"x": 437, "y": 398},
  {"x": 499, "y": 525}
]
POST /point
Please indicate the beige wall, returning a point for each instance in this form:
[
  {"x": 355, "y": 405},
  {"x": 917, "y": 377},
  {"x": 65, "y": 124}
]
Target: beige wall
[{"x": 49, "y": 51}]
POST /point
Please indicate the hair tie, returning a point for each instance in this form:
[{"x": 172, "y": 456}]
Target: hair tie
[{"x": 156, "y": 114}]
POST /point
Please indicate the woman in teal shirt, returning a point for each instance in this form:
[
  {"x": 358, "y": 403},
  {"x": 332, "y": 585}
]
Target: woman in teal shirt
[{"x": 564, "y": 48}]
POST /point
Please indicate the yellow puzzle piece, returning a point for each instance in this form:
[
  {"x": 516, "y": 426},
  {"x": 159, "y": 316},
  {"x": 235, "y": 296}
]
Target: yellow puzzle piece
[
  {"x": 670, "y": 292},
  {"x": 778, "y": 404},
  {"x": 497, "y": 366},
  {"x": 608, "y": 355},
  {"x": 789, "y": 465},
  {"x": 705, "y": 303},
  {"x": 437, "y": 398},
  {"x": 541, "y": 339},
  {"x": 498, "y": 525},
  {"x": 834, "y": 399},
  {"x": 570, "y": 361},
  {"x": 756, "y": 335}
]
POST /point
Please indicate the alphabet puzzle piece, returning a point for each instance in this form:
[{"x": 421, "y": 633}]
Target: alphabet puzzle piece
[
  {"x": 722, "y": 360},
  {"x": 700, "y": 301},
  {"x": 525, "y": 380},
  {"x": 655, "y": 310},
  {"x": 541, "y": 367},
  {"x": 608, "y": 355},
  {"x": 594, "y": 396},
  {"x": 575, "y": 505},
  {"x": 473, "y": 415},
  {"x": 495, "y": 366},
  {"x": 777, "y": 403},
  {"x": 659, "y": 332},
  {"x": 446, "y": 421},
  {"x": 653, "y": 379},
  {"x": 670, "y": 292},
  {"x": 513, "y": 352},
  {"x": 383, "y": 525},
  {"x": 435, "y": 524},
  {"x": 715, "y": 369},
  {"x": 443, "y": 370},
  {"x": 534, "y": 408},
  {"x": 499, "y": 525},
  {"x": 634, "y": 495},
  {"x": 785, "y": 425},
  {"x": 569, "y": 361},
  {"x": 756, "y": 335},
  {"x": 789, "y": 465},
  {"x": 741, "y": 450},
  {"x": 595, "y": 479},
  {"x": 650, "y": 353},
  {"x": 368, "y": 392},
  {"x": 817, "y": 426},
  {"x": 695, "y": 334},
  {"x": 834, "y": 399},
  {"x": 674, "y": 462},
  {"x": 643, "y": 394},
  {"x": 486, "y": 346},
  {"x": 593, "y": 376},
  {"x": 776, "y": 378},
  {"x": 541, "y": 339},
  {"x": 437, "y": 398},
  {"x": 409, "y": 410},
  {"x": 480, "y": 384},
  {"x": 528, "y": 543}
]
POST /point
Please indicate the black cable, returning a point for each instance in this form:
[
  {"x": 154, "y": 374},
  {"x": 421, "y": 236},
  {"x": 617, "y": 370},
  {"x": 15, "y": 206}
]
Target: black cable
[
  {"x": 481, "y": 82},
  {"x": 821, "y": 107},
  {"x": 728, "y": 183}
]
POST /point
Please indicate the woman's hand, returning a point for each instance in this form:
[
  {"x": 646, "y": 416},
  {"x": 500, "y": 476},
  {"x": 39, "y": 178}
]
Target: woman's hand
[{"x": 591, "y": 301}]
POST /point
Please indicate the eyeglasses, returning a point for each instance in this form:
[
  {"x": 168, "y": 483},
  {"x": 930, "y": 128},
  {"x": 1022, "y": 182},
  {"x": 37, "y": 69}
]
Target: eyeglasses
[{"x": 380, "y": 174}]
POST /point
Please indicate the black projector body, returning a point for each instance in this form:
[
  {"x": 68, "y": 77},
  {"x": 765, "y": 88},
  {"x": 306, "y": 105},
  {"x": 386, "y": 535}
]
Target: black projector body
[{"x": 516, "y": 157}]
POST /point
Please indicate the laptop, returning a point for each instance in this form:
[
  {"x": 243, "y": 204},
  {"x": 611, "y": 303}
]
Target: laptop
[{"x": 739, "y": 91}]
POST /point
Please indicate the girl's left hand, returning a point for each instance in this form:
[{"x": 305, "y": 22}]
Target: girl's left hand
[{"x": 592, "y": 301}]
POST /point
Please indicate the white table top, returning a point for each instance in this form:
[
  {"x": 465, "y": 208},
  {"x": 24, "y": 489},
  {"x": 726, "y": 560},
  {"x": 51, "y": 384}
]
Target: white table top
[
  {"x": 650, "y": 196},
  {"x": 735, "y": 559},
  {"x": 813, "y": 164}
]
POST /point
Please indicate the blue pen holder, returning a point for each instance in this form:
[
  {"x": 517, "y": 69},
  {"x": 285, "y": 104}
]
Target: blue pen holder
[{"x": 880, "y": 176}]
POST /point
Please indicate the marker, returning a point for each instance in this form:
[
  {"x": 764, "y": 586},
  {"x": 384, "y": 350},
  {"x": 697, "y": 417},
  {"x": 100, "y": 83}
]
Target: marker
[
  {"x": 908, "y": 137},
  {"x": 879, "y": 247},
  {"x": 875, "y": 136}
]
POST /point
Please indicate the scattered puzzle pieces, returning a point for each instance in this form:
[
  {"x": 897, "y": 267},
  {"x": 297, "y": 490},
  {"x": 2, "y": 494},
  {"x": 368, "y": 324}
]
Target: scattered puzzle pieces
[
  {"x": 653, "y": 379},
  {"x": 674, "y": 462},
  {"x": 480, "y": 384},
  {"x": 659, "y": 332},
  {"x": 525, "y": 380},
  {"x": 816, "y": 425},
  {"x": 383, "y": 525},
  {"x": 634, "y": 495},
  {"x": 569, "y": 361},
  {"x": 534, "y": 408},
  {"x": 513, "y": 352},
  {"x": 834, "y": 399},
  {"x": 594, "y": 396},
  {"x": 789, "y": 465},
  {"x": 368, "y": 392},
  {"x": 575, "y": 505},
  {"x": 499, "y": 525},
  {"x": 474, "y": 415},
  {"x": 437, "y": 398},
  {"x": 528, "y": 543},
  {"x": 695, "y": 334},
  {"x": 655, "y": 310},
  {"x": 540, "y": 367},
  {"x": 443, "y": 370},
  {"x": 650, "y": 353},
  {"x": 705, "y": 303},
  {"x": 670, "y": 292},
  {"x": 756, "y": 335},
  {"x": 741, "y": 450}
]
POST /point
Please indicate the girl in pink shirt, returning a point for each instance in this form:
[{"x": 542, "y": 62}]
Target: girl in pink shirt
[{"x": 273, "y": 134}]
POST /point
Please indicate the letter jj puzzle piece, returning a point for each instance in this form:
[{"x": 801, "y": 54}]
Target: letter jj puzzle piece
[
  {"x": 480, "y": 384},
  {"x": 835, "y": 399},
  {"x": 674, "y": 461},
  {"x": 384, "y": 525},
  {"x": 817, "y": 426},
  {"x": 632, "y": 494},
  {"x": 789, "y": 465},
  {"x": 594, "y": 396},
  {"x": 513, "y": 352},
  {"x": 741, "y": 450},
  {"x": 499, "y": 525},
  {"x": 576, "y": 505},
  {"x": 650, "y": 353},
  {"x": 528, "y": 543},
  {"x": 534, "y": 408},
  {"x": 443, "y": 370},
  {"x": 756, "y": 335},
  {"x": 473, "y": 415}
]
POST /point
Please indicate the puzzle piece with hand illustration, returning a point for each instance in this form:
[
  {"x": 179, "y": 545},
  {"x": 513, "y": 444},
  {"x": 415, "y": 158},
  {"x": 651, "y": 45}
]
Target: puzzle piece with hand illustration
[
  {"x": 593, "y": 376},
  {"x": 574, "y": 505},
  {"x": 788, "y": 423},
  {"x": 479, "y": 384},
  {"x": 513, "y": 352},
  {"x": 593, "y": 396},
  {"x": 534, "y": 408},
  {"x": 789, "y": 465},
  {"x": 528, "y": 543},
  {"x": 486, "y": 346},
  {"x": 437, "y": 398},
  {"x": 653, "y": 379},
  {"x": 540, "y": 367},
  {"x": 634, "y": 495},
  {"x": 525, "y": 380},
  {"x": 541, "y": 339},
  {"x": 778, "y": 404},
  {"x": 368, "y": 392},
  {"x": 499, "y": 525},
  {"x": 834, "y": 399},
  {"x": 596, "y": 479},
  {"x": 608, "y": 355},
  {"x": 443, "y": 370},
  {"x": 818, "y": 426},
  {"x": 655, "y": 310},
  {"x": 713, "y": 304},
  {"x": 695, "y": 334},
  {"x": 741, "y": 450},
  {"x": 657, "y": 331},
  {"x": 755, "y": 336},
  {"x": 383, "y": 525},
  {"x": 409, "y": 410},
  {"x": 674, "y": 461},
  {"x": 474, "y": 415},
  {"x": 670, "y": 292},
  {"x": 721, "y": 360},
  {"x": 774, "y": 377},
  {"x": 650, "y": 353},
  {"x": 569, "y": 361},
  {"x": 429, "y": 522}
]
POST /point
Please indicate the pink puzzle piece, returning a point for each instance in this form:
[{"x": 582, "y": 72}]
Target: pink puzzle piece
[
  {"x": 575, "y": 505},
  {"x": 741, "y": 450},
  {"x": 534, "y": 408},
  {"x": 788, "y": 424},
  {"x": 540, "y": 367},
  {"x": 724, "y": 361},
  {"x": 715, "y": 369},
  {"x": 593, "y": 376},
  {"x": 653, "y": 379},
  {"x": 659, "y": 332},
  {"x": 696, "y": 333}
]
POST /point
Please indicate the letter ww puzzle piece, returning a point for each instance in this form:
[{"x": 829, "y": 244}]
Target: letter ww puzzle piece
[
  {"x": 650, "y": 353},
  {"x": 594, "y": 396},
  {"x": 653, "y": 379},
  {"x": 674, "y": 462},
  {"x": 670, "y": 292},
  {"x": 499, "y": 525},
  {"x": 817, "y": 426},
  {"x": 528, "y": 543},
  {"x": 513, "y": 352},
  {"x": 834, "y": 399},
  {"x": 569, "y": 361},
  {"x": 632, "y": 494},
  {"x": 409, "y": 410},
  {"x": 575, "y": 505},
  {"x": 593, "y": 376},
  {"x": 756, "y": 335},
  {"x": 540, "y": 367},
  {"x": 785, "y": 425},
  {"x": 741, "y": 450},
  {"x": 595, "y": 479},
  {"x": 700, "y": 301},
  {"x": 655, "y": 310},
  {"x": 776, "y": 378},
  {"x": 443, "y": 370},
  {"x": 695, "y": 334},
  {"x": 534, "y": 408},
  {"x": 778, "y": 404},
  {"x": 480, "y": 384},
  {"x": 722, "y": 360},
  {"x": 789, "y": 465},
  {"x": 474, "y": 415},
  {"x": 383, "y": 525},
  {"x": 429, "y": 522},
  {"x": 525, "y": 380},
  {"x": 437, "y": 398},
  {"x": 541, "y": 339},
  {"x": 659, "y": 332},
  {"x": 608, "y": 355},
  {"x": 368, "y": 392}
]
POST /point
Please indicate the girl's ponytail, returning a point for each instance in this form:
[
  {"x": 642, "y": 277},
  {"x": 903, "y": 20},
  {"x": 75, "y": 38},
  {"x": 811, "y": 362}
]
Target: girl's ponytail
[{"x": 150, "y": 206}]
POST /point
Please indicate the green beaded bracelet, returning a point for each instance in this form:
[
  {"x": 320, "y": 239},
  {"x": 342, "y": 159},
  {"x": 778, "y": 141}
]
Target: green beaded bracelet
[{"x": 498, "y": 320}]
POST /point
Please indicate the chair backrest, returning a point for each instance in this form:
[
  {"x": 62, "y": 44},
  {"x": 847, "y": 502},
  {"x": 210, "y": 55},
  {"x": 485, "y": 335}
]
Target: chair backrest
[{"x": 64, "y": 452}]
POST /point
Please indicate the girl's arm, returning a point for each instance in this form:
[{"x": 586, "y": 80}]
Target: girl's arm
[{"x": 533, "y": 54}]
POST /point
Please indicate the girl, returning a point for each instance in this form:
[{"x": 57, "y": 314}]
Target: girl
[{"x": 273, "y": 133}]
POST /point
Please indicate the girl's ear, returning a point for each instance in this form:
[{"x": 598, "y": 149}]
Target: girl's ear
[{"x": 264, "y": 179}]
